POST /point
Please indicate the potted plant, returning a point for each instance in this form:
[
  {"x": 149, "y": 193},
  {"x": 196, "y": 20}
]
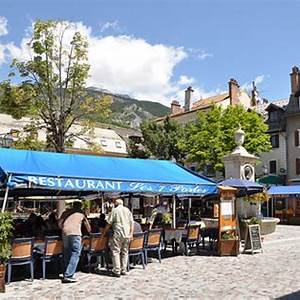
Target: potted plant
[
  {"x": 167, "y": 220},
  {"x": 228, "y": 244},
  {"x": 6, "y": 227},
  {"x": 244, "y": 225}
]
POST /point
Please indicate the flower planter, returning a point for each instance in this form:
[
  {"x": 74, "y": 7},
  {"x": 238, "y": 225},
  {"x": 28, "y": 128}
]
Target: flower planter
[
  {"x": 229, "y": 247},
  {"x": 2, "y": 278}
]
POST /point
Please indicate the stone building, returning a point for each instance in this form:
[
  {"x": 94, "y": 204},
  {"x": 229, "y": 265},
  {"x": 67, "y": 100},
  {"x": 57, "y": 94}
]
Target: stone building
[
  {"x": 102, "y": 141},
  {"x": 274, "y": 162},
  {"x": 188, "y": 113},
  {"x": 292, "y": 118}
]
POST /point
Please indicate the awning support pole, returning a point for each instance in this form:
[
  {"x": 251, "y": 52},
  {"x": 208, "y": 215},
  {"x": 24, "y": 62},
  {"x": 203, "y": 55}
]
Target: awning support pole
[
  {"x": 6, "y": 194},
  {"x": 174, "y": 212},
  {"x": 189, "y": 210}
]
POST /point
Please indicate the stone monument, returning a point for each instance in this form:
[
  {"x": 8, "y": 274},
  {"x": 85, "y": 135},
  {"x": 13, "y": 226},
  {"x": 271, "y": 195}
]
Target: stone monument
[{"x": 241, "y": 164}]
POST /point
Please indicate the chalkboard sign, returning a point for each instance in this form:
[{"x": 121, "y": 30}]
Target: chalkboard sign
[{"x": 253, "y": 239}]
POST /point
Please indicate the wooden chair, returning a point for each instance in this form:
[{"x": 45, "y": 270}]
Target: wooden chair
[
  {"x": 153, "y": 243},
  {"x": 22, "y": 254},
  {"x": 136, "y": 248},
  {"x": 191, "y": 238},
  {"x": 98, "y": 247},
  {"x": 53, "y": 251}
]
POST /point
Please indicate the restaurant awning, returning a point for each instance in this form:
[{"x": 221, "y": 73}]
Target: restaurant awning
[
  {"x": 48, "y": 171},
  {"x": 284, "y": 190}
]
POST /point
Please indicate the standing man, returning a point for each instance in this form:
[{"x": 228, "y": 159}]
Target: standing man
[
  {"x": 121, "y": 221},
  {"x": 70, "y": 223}
]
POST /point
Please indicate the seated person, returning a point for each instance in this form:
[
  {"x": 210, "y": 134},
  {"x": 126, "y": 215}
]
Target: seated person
[
  {"x": 137, "y": 227},
  {"x": 52, "y": 225},
  {"x": 39, "y": 227},
  {"x": 102, "y": 222}
]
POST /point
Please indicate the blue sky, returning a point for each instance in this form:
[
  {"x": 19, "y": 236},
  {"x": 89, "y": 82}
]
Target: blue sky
[{"x": 155, "y": 49}]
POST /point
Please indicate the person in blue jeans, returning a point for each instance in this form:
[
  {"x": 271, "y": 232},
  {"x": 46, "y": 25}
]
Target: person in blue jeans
[{"x": 70, "y": 223}]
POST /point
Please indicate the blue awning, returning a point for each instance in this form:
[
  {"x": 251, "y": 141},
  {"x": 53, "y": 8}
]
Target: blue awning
[
  {"x": 284, "y": 190},
  {"x": 73, "y": 172}
]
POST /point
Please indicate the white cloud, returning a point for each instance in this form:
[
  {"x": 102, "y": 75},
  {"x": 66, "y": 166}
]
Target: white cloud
[
  {"x": 185, "y": 80},
  {"x": 114, "y": 25},
  {"x": 248, "y": 86},
  {"x": 199, "y": 53},
  {"x": 128, "y": 65},
  {"x": 3, "y": 26}
]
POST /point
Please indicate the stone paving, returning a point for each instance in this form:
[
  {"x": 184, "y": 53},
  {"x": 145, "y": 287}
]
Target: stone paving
[{"x": 268, "y": 275}]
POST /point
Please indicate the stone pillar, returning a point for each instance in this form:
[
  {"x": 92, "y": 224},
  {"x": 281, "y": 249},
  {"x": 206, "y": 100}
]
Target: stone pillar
[{"x": 241, "y": 164}]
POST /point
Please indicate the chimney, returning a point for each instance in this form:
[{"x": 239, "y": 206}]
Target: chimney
[
  {"x": 254, "y": 95},
  {"x": 295, "y": 80},
  {"x": 175, "y": 107},
  {"x": 187, "y": 98},
  {"x": 234, "y": 90}
]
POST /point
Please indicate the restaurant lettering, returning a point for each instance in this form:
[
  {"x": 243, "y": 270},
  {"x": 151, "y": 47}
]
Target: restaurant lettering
[{"x": 113, "y": 185}]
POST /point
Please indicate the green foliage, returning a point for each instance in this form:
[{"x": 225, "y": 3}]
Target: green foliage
[
  {"x": 6, "y": 228},
  {"x": 228, "y": 235},
  {"x": 253, "y": 221},
  {"x": 212, "y": 136},
  {"x": 161, "y": 140},
  {"x": 136, "y": 150},
  {"x": 167, "y": 218},
  {"x": 53, "y": 87}
]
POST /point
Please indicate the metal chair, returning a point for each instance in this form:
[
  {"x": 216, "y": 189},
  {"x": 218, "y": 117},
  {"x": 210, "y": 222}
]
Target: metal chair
[
  {"x": 22, "y": 254},
  {"x": 191, "y": 238},
  {"x": 136, "y": 248},
  {"x": 153, "y": 243},
  {"x": 98, "y": 247},
  {"x": 53, "y": 251}
]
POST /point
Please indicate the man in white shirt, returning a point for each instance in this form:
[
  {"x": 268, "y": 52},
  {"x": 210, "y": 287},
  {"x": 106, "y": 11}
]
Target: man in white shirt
[{"x": 121, "y": 221}]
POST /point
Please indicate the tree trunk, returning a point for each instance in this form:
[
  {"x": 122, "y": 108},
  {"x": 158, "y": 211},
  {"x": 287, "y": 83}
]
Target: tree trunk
[{"x": 60, "y": 206}]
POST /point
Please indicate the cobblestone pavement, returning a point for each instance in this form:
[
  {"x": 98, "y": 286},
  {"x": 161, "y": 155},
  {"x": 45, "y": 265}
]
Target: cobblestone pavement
[{"x": 271, "y": 274}]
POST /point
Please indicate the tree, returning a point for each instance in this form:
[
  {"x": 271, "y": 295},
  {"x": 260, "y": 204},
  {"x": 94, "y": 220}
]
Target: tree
[
  {"x": 53, "y": 88},
  {"x": 212, "y": 136},
  {"x": 161, "y": 140}
]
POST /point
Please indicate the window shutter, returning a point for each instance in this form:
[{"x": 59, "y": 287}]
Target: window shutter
[
  {"x": 296, "y": 138},
  {"x": 298, "y": 166}
]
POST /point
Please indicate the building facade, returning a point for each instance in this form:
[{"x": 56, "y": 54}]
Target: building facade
[
  {"x": 292, "y": 117},
  {"x": 101, "y": 141},
  {"x": 189, "y": 111},
  {"x": 274, "y": 162}
]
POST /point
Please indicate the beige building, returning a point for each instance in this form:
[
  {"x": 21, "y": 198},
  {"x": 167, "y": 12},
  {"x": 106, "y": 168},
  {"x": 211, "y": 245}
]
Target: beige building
[
  {"x": 107, "y": 141},
  {"x": 188, "y": 113},
  {"x": 292, "y": 117},
  {"x": 274, "y": 162}
]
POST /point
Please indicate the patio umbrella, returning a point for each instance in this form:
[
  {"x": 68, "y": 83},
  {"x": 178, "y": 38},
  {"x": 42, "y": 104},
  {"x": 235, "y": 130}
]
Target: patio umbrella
[
  {"x": 245, "y": 187},
  {"x": 271, "y": 179}
]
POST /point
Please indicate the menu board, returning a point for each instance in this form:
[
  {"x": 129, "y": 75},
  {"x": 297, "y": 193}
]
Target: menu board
[{"x": 253, "y": 239}]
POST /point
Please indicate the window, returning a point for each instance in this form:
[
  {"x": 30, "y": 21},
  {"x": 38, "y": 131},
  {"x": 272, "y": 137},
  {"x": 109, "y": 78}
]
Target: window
[
  {"x": 298, "y": 166},
  {"x": 275, "y": 141},
  {"x": 103, "y": 142},
  {"x": 272, "y": 165},
  {"x": 297, "y": 138},
  {"x": 15, "y": 133},
  {"x": 273, "y": 116},
  {"x": 118, "y": 145}
]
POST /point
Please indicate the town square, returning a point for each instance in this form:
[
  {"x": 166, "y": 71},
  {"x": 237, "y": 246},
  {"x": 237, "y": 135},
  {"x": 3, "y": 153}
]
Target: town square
[{"x": 149, "y": 149}]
